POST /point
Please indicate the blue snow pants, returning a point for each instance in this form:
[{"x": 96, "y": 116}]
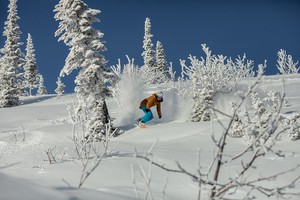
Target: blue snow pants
[{"x": 148, "y": 115}]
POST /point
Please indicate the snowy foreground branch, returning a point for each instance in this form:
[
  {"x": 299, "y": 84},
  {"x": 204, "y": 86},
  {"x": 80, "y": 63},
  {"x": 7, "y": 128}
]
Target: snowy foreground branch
[
  {"x": 265, "y": 135},
  {"x": 91, "y": 152},
  {"x": 285, "y": 63}
]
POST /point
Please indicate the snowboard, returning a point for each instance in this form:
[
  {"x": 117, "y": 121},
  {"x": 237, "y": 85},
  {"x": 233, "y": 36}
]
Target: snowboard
[
  {"x": 140, "y": 126},
  {"x": 143, "y": 126}
]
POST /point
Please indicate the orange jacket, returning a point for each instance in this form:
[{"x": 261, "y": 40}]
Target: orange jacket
[{"x": 150, "y": 102}]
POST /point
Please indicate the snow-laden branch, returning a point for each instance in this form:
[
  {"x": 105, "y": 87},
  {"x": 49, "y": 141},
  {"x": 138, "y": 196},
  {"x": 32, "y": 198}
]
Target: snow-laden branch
[{"x": 285, "y": 63}]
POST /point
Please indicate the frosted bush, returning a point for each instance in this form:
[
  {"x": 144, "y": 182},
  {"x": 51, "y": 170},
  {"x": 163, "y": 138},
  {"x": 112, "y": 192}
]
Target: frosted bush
[
  {"x": 212, "y": 75},
  {"x": 263, "y": 118},
  {"x": 285, "y": 63},
  {"x": 222, "y": 73},
  {"x": 294, "y": 126}
]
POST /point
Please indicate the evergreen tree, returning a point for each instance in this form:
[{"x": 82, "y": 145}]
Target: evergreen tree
[
  {"x": 21, "y": 88},
  {"x": 202, "y": 101},
  {"x": 11, "y": 59},
  {"x": 41, "y": 89},
  {"x": 148, "y": 69},
  {"x": 60, "y": 87},
  {"x": 8, "y": 89},
  {"x": 161, "y": 64},
  {"x": 30, "y": 66},
  {"x": 75, "y": 29}
]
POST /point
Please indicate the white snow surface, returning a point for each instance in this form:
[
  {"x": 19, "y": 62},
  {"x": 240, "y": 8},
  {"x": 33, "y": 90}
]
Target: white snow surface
[{"x": 42, "y": 122}]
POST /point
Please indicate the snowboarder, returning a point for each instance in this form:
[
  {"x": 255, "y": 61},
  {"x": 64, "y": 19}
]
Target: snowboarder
[{"x": 146, "y": 104}]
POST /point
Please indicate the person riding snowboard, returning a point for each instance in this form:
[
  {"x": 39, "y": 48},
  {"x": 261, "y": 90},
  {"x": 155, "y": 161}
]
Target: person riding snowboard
[{"x": 146, "y": 104}]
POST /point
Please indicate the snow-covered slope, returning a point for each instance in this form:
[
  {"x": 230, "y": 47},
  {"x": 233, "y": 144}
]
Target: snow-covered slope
[{"x": 42, "y": 123}]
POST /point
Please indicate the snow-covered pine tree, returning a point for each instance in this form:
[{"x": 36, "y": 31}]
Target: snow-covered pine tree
[
  {"x": 148, "y": 69},
  {"x": 60, "y": 87},
  {"x": 161, "y": 67},
  {"x": 75, "y": 29},
  {"x": 41, "y": 88},
  {"x": 11, "y": 59},
  {"x": 30, "y": 66},
  {"x": 203, "y": 101},
  {"x": 285, "y": 63},
  {"x": 8, "y": 89}
]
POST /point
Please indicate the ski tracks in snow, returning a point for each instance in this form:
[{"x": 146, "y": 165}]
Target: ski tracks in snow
[{"x": 163, "y": 132}]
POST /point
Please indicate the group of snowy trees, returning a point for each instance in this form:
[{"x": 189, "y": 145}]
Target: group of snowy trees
[
  {"x": 155, "y": 68},
  {"x": 202, "y": 80},
  {"x": 16, "y": 71}
]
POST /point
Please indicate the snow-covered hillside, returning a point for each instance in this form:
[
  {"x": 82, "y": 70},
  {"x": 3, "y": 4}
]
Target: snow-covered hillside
[{"x": 42, "y": 124}]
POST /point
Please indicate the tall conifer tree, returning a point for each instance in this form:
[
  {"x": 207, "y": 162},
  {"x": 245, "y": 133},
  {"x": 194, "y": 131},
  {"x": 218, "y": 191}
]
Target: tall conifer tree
[
  {"x": 148, "y": 69},
  {"x": 11, "y": 59},
  {"x": 161, "y": 64},
  {"x": 75, "y": 29},
  {"x": 41, "y": 88},
  {"x": 30, "y": 66}
]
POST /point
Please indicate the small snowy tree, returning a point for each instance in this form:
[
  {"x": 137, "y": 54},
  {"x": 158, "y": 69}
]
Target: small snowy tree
[
  {"x": 249, "y": 125},
  {"x": 148, "y": 69},
  {"x": 11, "y": 60},
  {"x": 41, "y": 88},
  {"x": 161, "y": 68},
  {"x": 203, "y": 102},
  {"x": 285, "y": 63},
  {"x": 60, "y": 87},
  {"x": 75, "y": 29},
  {"x": 30, "y": 66}
]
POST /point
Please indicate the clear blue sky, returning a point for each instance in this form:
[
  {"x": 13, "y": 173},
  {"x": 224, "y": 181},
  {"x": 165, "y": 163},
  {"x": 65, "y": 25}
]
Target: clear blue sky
[{"x": 258, "y": 28}]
